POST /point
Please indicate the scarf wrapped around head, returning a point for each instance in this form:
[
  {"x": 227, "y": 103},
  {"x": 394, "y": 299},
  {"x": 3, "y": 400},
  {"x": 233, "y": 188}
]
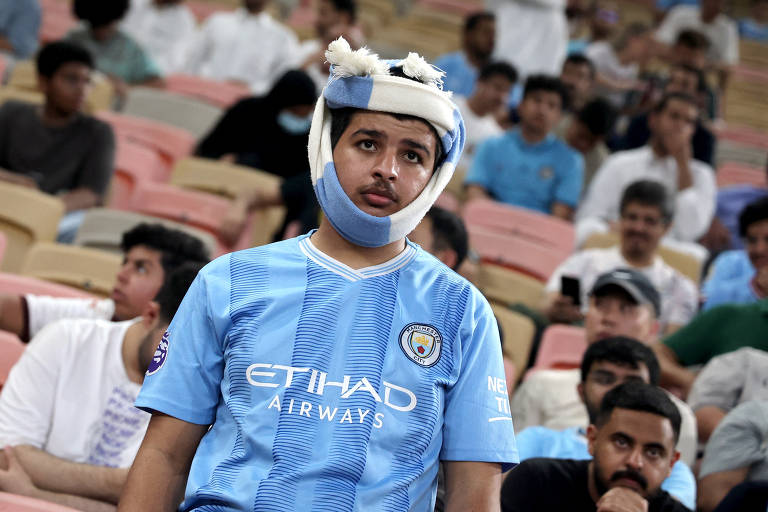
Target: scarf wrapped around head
[{"x": 359, "y": 79}]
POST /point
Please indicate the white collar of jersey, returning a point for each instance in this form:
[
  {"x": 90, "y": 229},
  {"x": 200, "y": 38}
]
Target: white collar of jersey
[{"x": 345, "y": 271}]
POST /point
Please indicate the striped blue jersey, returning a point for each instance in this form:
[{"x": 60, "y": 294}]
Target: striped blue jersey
[{"x": 330, "y": 388}]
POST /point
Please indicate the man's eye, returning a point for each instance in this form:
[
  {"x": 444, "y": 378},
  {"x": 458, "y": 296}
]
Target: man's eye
[
  {"x": 367, "y": 145},
  {"x": 412, "y": 156},
  {"x": 653, "y": 453}
]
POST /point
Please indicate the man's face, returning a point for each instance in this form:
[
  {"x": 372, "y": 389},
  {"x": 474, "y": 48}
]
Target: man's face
[
  {"x": 579, "y": 137},
  {"x": 138, "y": 282},
  {"x": 641, "y": 228},
  {"x": 682, "y": 54},
  {"x": 255, "y": 5},
  {"x": 327, "y": 17},
  {"x": 577, "y": 78},
  {"x": 603, "y": 376},
  {"x": 481, "y": 39},
  {"x": 383, "y": 163},
  {"x": 540, "y": 111},
  {"x": 613, "y": 312},
  {"x": 678, "y": 119},
  {"x": 682, "y": 80},
  {"x": 493, "y": 91},
  {"x": 756, "y": 243},
  {"x": 68, "y": 88},
  {"x": 633, "y": 449}
]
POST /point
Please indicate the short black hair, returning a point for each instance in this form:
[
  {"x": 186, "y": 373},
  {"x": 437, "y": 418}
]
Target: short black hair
[
  {"x": 176, "y": 246},
  {"x": 693, "y": 39},
  {"x": 547, "y": 83},
  {"x": 100, "y": 12},
  {"x": 648, "y": 193},
  {"x": 175, "y": 286},
  {"x": 681, "y": 96},
  {"x": 449, "y": 232},
  {"x": 347, "y": 6},
  {"x": 579, "y": 59},
  {"x": 54, "y": 55},
  {"x": 599, "y": 116},
  {"x": 701, "y": 81},
  {"x": 473, "y": 20},
  {"x": 639, "y": 396},
  {"x": 622, "y": 351},
  {"x": 503, "y": 69},
  {"x": 752, "y": 213}
]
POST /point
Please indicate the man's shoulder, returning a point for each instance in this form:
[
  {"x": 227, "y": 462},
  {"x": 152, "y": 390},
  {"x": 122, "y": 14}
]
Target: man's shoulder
[
  {"x": 449, "y": 59},
  {"x": 74, "y": 335},
  {"x": 628, "y": 156},
  {"x": 14, "y": 108},
  {"x": 555, "y": 469}
]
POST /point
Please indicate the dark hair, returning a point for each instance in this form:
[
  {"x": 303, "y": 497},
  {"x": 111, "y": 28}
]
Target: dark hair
[
  {"x": 579, "y": 59},
  {"x": 549, "y": 84},
  {"x": 498, "y": 68},
  {"x": 693, "y": 39},
  {"x": 449, "y": 233},
  {"x": 473, "y": 20},
  {"x": 99, "y": 12},
  {"x": 649, "y": 193},
  {"x": 175, "y": 286},
  {"x": 347, "y": 6},
  {"x": 54, "y": 55},
  {"x": 681, "y": 96},
  {"x": 599, "y": 116},
  {"x": 701, "y": 82},
  {"x": 639, "y": 396},
  {"x": 622, "y": 351},
  {"x": 752, "y": 213},
  {"x": 176, "y": 246}
]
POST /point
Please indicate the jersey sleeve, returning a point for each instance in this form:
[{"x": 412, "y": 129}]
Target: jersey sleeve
[
  {"x": 43, "y": 310},
  {"x": 571, "y": 179},
  {"x": 478, "y": 425},
  {"x": 693, "y": 343},
  {"x": 184, "y": 377}
]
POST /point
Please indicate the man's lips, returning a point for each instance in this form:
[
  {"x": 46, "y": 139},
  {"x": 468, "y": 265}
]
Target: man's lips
[
  {"x": 377, "y": 199},
  {"x": 630, "y": 483}
]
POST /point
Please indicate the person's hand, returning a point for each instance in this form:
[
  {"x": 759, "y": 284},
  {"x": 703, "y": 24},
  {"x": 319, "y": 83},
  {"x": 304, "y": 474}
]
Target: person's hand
[
  {"x": 563, "y": 310},
  {"x": 15, "y": 479},
  {"x": 622, "y": 499},
  {"x": 679, "y": 146}
]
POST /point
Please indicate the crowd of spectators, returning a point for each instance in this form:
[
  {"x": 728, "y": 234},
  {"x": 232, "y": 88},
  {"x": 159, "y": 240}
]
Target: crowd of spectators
[{"x": 570, "y": 112}]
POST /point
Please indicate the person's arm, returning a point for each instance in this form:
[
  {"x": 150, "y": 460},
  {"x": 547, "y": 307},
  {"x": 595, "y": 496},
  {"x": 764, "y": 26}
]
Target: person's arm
[
  {"x": 247, "y": 201},
  {"x": 695, "y": 206},
  {"x": 708, "y": 417},
  {"x": 476, "y": 192},
  {"x": 713, "y": 488},
  {"x": 159, "y": 472},
  {"x": 95, "y": 172},
  {"x": 672, "y": 373},
  {"x": 569, "y": 170},
  {"x": 80, "y": 199},
  {"x": 472, "y": 486},
  {"x": 13, "y": 314},
  {"x": 562, "y": 211}
]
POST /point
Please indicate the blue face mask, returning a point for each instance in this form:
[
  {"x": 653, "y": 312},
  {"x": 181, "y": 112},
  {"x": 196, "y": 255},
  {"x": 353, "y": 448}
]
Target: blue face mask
[{"x": 294, "y": 124}]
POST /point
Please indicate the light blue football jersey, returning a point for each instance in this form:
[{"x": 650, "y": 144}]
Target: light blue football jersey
[{"x": 330, "y": 388}]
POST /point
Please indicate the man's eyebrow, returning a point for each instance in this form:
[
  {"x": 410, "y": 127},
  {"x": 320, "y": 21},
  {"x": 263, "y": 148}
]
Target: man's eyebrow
[
  {"x": 370, "y": 133},
  {"x": 417, "y": 145}
]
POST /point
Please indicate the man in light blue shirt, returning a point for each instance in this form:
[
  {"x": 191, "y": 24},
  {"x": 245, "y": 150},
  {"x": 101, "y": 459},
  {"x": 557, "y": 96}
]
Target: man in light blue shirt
[
  {"x": 19, "y": 27},
  {"x": 528, "y": 166},
  {"x": 462, "y": 67},
  {"x": 606, "y": 364}
]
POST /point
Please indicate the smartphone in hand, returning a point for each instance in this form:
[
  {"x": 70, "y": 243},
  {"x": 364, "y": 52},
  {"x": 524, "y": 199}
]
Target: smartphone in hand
[{"x": 571, "y": 287}]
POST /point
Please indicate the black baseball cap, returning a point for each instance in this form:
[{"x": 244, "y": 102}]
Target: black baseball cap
[{"x": 634, "y": 283}]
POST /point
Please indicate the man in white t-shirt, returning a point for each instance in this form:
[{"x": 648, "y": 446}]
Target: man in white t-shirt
[
  {"x": 645, "y": 215},
  {"x": 666, "y": 159},
  {"x": 162, "y": 28},
  {"x": 150, "y": 252},
  {"x": 67, "y": 407},
  {"x": 246, "y": 46}
]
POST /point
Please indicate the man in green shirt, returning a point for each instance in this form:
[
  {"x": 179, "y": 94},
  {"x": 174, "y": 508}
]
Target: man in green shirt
[{"x": 718, "y": 331}]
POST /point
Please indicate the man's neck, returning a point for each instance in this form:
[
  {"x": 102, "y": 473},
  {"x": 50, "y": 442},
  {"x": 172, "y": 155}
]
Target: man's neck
[
  {"x": 658, "y": 149},
  {"x": 54, "y": 117},
  {"x": 130, "y": 352},
  {"x": 477, "y": 61},
  {"x": 591, "y": 485},
  {"x": 638, "y": 260},
  {"x": 328, "y": 241},
  {"x": 530, "y": 136}
]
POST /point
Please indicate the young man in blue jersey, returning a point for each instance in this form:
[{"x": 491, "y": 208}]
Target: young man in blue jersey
[{"x": 337, "y": 369}]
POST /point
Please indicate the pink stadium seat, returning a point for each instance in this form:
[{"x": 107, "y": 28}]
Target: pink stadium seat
[
  {"x": 743, "y": 135},
  {"x": 448, "y": 201},
  {"x": 57, "y": 20},
  {"x": 11, "y": 349},
  {"x": 14, "y": 283},
  {"x": 3, "y": 66},
  {"x": 16, "y": 503},
  {"x": 562, "y": 347},
  {"x": 202, "y": 9},
  {"x": 3, "y": 245},
  {"x": 733, "y": 173},
  {"x": 133, "y": 163},
  {"x": 217, "y": 93}
]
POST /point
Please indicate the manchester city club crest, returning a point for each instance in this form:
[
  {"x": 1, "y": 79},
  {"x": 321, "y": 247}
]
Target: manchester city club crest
[
  {"x": 421, "y": 343},
  {"x": 160, "y": 355}
]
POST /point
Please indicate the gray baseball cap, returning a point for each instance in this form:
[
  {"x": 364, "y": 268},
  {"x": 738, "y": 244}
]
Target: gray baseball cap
[{"x": 634, "y": 283}]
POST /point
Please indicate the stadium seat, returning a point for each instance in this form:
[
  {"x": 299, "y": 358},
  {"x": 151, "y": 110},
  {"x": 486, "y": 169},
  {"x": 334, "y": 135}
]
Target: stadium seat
[
  {"x": 518, "y": 331},
  {"x": 3, "y": 245},
  {"x": 133, "y": 163},
  {"x": 14, "y": 93},
  {"x": 26, "y": 216},
  {"x": 23, "y": 75},
  {"x": 509, "y": 286},
  {"x": 57, "y": 20},
  {"x": 11, "y": 349},
  {"x": 743, "y": 135},
  {"x": 214, "y": 92},
  {"x": 174, "y": 109},
  {"x": 103, "y": 229},
  {"x": 448, "y": 201},
  {"x": 91, "y": 270},
  {"x": 15, "y": 503},
  {"x": 733, "y": 173},
  {"x": 15, "y": 283},
  {"x": 562, "y": 347}
]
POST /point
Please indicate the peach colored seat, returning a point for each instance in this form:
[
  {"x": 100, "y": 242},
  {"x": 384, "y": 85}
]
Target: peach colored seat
[
  {"x": 508, "y": 286},
  {"x": 518, "y": 333},
  {"x": 57, "y": 20},
  {"x": 216, "y": 92},
  {"x": 133, "y": 163},
  {"x": 15, "y": 503},
  {"x": 732, "y": 173},
  {"x": 561, "y": 347}
]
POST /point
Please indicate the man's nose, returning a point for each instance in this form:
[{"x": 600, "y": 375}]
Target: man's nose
[{"x": 386, "y": 166}]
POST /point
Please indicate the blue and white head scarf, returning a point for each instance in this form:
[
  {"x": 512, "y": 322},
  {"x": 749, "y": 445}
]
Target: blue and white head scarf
[{"x": 359, "y": 79}]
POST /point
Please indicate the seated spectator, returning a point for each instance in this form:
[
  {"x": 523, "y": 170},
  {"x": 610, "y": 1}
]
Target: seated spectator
[
  {"x": 245, "y": 46},
  {"x": 269, "y": 133},
  {"x": 724, "y": 233},
  {"x": 691, "y": 48},
  {"x": 683, "y": 79},
  {"x": 67, "y": 407},
  {"x": 162, "y": 28},
  {"x": 58, "y": 149},
  {"x": 477, "y": 42},
  {"x": 478, "y": 110},
  {"x": 442, "y": 234},
  {"x": 708, "y": 19},
  {"x": 733, "y": 278},
  {"x": 578, "y": 78},
  {"x": 633, "y": 444},
  {"x": 725, "y": 382},
  {"x": 115, "y": 53},
  {"x": 714, "y": 332},
  {"x": 603, "y": 19},
  {"x": 150, "y": 253},
  {"x": 586, "y": 131},
  {"x": 617, "y": 63},
  {"x": 667, "y": 159},
  {"x": 755, "y": 27},
  {"x": 19, "y": 27},
  {"x": 735, "y": 454},
  {"x": 528, "y": 166},
  {"x": 645, "y": 215},
  {"x": 606, "y": 364}
]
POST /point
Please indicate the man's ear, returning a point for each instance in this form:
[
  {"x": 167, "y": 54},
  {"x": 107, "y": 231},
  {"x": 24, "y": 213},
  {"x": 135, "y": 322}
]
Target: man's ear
[
  {"x": 42, "y": 83},
  {"x": 580, "y": 391},
  {"x": 150, "y": 314},
  {"x": 591, "y": 437}
]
